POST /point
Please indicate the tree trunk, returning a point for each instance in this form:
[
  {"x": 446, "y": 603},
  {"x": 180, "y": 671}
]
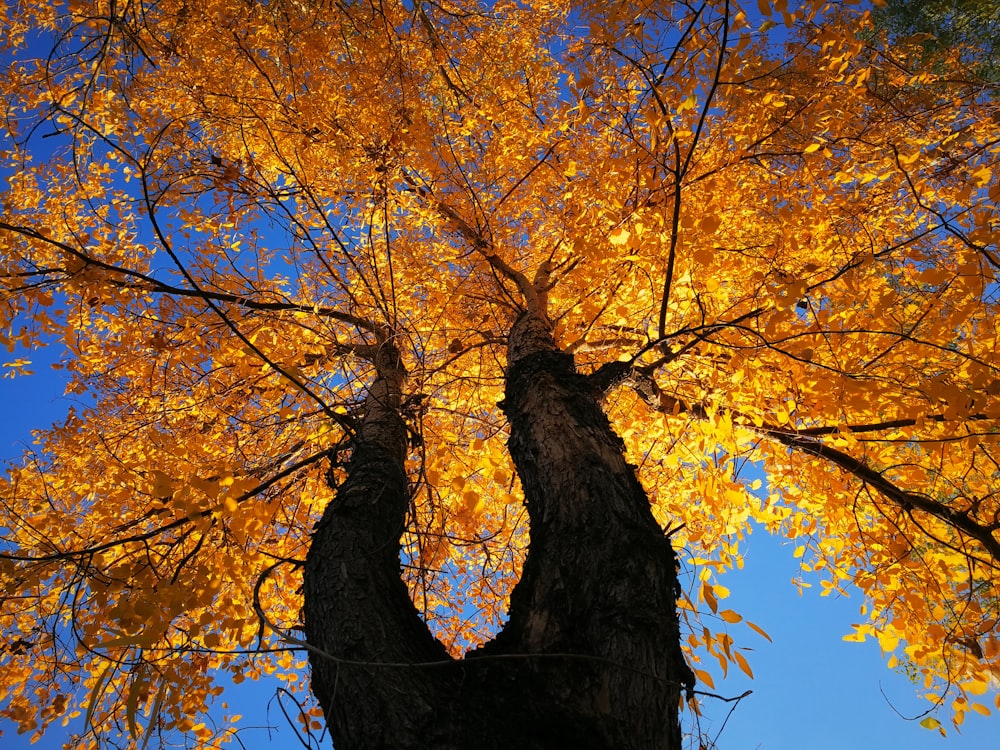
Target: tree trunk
[
  {"x": 600, "y": 581},
  {"x": 590, "y": 656},
  {"x": 358, "y": 614}
]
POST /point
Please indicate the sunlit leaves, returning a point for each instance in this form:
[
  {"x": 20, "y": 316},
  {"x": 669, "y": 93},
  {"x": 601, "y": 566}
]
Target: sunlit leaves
[{"x": 215, "y": 210}]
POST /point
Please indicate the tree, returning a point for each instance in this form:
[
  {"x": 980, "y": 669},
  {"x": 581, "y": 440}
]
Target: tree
[
  {"x": 966, "y": 30},
  {"x": 375, "y": 309}
]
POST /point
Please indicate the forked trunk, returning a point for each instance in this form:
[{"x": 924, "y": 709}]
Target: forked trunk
[{"x": 590, "y": 656}]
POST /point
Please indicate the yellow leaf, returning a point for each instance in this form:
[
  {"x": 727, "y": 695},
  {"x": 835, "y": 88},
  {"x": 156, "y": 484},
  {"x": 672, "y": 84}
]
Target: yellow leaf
[
  {"x": 929, "y": 722},
  {"x": 742, "y": 663},
  {"x": 980, "y": 708},
  {"x": 704, "y": 256},
  {"x": 161, "y": 485},
  {"x": 709, "y": 224},
  {"x": 154, "y": 714},
  {"x": 135, "y": 691},
  {"x": 759, "y": 630},
  {"x": 620, "y": 237},
  {"x": 976, "y": 687},
  {"x": 887, "y": 641},
  {"x": 96, "y": 692},
  {"x": 689, "y": 102},
  {"x": 704, "y": 677},
  {"x": 730, "y": 616},
  {"x": 709, "y": 596}
]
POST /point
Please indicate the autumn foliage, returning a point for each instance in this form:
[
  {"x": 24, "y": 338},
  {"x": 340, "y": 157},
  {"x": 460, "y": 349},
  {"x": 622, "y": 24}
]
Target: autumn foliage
[{"x": 770, "y": 241}]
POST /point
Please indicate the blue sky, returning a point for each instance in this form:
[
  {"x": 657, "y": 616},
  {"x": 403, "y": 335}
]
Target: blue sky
[{"x": 812, "y": 690}]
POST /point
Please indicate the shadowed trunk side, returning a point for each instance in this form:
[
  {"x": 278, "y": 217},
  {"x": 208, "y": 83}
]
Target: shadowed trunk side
[
  {"x": 590, "y": 657},
  {"x": 599, "y": 584},
  {"x": 356, "y": 607}
]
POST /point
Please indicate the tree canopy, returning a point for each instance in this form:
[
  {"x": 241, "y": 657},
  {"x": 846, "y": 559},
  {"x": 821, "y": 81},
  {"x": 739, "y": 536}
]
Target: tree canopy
[
  {"x": 962, "y": 30},
  {"x": 767, "y": 241}
]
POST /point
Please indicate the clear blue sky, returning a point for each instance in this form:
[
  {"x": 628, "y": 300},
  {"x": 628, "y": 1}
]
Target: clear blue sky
[{"x": 812, "y": 690}]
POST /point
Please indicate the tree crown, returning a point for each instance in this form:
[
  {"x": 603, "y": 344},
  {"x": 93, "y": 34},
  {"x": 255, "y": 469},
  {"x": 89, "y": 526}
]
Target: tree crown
[{"x": 769, "y": 242}]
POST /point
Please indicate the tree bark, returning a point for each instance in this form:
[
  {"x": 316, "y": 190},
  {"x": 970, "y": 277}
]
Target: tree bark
[
  {"x": 358, "y": 615},
  {"x": 590, "y": 657},
  {"x": 599, "y": 584}
]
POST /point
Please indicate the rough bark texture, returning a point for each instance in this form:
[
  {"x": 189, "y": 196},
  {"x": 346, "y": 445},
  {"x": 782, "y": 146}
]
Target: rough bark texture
[
  {"x": 590, "y": 657},
  {"x": 357, "y": 610},
  {"x": 600, "y": 581}
]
